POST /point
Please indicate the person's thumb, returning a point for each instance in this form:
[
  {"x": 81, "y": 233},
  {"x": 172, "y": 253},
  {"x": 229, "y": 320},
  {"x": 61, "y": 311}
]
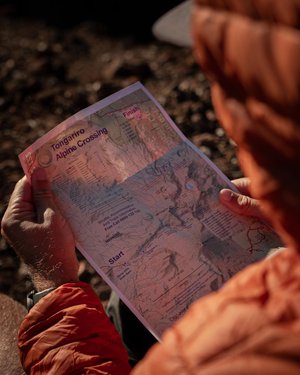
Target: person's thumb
[
  {"x": 240, "y": 204},
  {"x": 41, "y": 194}
]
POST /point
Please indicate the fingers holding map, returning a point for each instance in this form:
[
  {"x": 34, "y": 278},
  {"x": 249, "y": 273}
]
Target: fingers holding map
[{"x": 143, "y": 204}]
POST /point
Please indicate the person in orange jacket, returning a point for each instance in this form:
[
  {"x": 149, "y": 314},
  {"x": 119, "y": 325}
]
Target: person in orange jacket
[{"x": 250, "y": 51}]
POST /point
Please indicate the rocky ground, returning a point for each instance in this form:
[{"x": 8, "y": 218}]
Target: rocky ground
[{"x": 48, "y": 73}]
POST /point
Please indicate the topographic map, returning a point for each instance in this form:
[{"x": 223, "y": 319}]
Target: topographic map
[{"x": 143, "y": 204}]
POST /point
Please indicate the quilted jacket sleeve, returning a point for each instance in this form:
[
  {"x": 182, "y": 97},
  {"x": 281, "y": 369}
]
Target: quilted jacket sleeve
[{"x": 68, "y": 332}]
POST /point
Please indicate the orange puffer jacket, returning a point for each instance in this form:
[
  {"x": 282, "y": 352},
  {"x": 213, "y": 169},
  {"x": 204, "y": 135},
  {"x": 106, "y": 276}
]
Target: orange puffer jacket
[{"x": 68, "y": 332}]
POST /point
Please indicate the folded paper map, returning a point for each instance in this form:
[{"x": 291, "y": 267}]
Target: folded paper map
[{"x": 143, "y": 204}]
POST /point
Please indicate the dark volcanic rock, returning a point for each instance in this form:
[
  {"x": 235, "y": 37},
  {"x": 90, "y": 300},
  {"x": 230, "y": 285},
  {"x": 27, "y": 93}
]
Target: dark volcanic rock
[{"x": 48, "y": 73}]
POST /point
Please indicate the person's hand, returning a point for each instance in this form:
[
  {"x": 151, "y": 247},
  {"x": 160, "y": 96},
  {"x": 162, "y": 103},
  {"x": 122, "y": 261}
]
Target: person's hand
[
  {"x": 34, "y": 227},
  {"x": 241, "y": 203}
]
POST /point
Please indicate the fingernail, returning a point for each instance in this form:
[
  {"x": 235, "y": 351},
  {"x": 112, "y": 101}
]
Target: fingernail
[
  {"x": 226, "y": 195},
  {"x": 39, "y": 179},
  {"x": 39, "y": 174}
]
